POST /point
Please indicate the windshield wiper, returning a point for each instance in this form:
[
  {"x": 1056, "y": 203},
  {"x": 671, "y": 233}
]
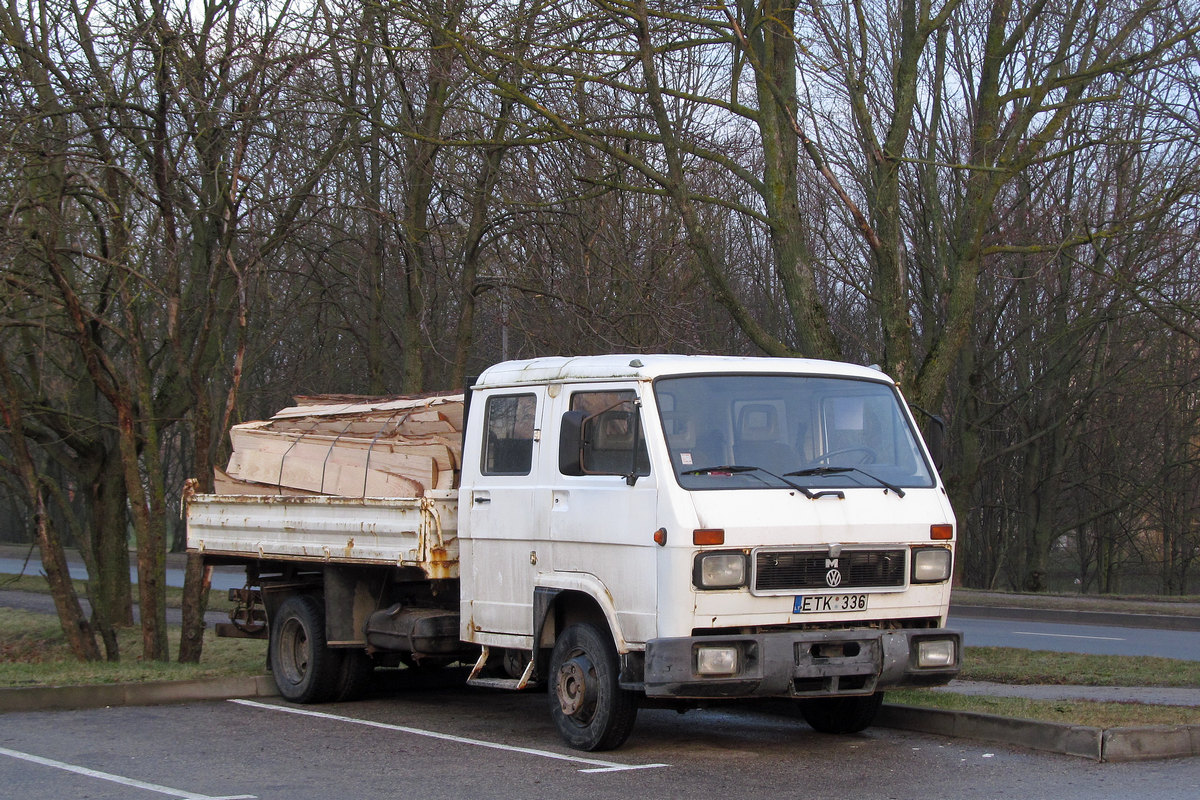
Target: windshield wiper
[
  {"x": 804, "y": 473},
  {"x": 734, "y": 468},
  {"x": 837, "y": 470},
  {"x": 740, "y": 468}
]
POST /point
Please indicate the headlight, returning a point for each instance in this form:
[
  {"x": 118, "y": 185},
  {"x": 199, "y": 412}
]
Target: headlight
[
  {"x": 719, "y": 570},
  {"x": 930, "y": 565}
]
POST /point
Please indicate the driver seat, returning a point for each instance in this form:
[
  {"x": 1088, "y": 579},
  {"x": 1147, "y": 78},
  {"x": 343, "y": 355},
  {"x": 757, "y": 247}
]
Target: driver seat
[{"x": 760, "y": 440}]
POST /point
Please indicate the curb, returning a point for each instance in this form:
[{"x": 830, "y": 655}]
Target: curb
[
  {"x": 1166, "y": 622},
  {"x": 64, "y": 698},
  {"x": 1098, "y": 744}
]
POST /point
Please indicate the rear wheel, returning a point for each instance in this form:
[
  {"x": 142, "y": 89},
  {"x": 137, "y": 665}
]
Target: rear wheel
[
  {"x": 305, "y": 669},
  {"x": 355, "y": 675},
  {"x": 588, "y": 705},
  {"x": 841, "y": 714}
]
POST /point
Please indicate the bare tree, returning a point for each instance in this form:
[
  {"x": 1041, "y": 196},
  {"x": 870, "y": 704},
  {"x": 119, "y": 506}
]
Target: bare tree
[{"x": 161, "y": 125}]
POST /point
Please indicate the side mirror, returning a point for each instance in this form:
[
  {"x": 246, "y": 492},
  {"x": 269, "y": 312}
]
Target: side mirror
[
  {"x": 570, "y": 443},
  {"x": 935, "y": 437},
  {"x": 632, "y": 475},
  {"x": 936, "y": 441}
]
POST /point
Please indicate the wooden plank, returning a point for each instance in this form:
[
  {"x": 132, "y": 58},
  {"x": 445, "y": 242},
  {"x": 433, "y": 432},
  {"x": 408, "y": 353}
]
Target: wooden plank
[
  {"x": 325, "y": 477},
  {"x": 442, "y": 449},
  {"x": 385, "y": 408},
  {"x": 224, "y": 483},
  {"x": 427, "y": 423},
  {"x": 453, "y": 413},
  {"x": 336, "y": 444},
  {"x": 419, "y": 467},
  {"x": 421, "y": 423}
]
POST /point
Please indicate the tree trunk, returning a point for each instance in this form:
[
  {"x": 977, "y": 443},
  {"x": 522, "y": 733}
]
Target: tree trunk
[
  {"x": 109, "y": 584},
  {"x": 197, "y": 580},
  {"x": 75, "y": 626},
  {"x": 151, "y": 543}
]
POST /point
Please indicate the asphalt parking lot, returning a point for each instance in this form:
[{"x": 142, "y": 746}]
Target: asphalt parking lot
[{"x": 457, "y": 742}]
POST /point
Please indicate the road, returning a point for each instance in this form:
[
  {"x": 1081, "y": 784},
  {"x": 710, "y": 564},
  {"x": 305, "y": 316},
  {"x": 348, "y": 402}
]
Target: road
[
  {"x": 442, "y": 742},
  {"x": 1031, "y": 634},
  {"x": 224, "y": 578}
]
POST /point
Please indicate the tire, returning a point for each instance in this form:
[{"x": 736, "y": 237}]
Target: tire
[
  {"x": 841, "y": 714},
  {"x": 589, "y": 707},
  {"x": 305, "y": 669},
  {"x": 354, "y": 677}
]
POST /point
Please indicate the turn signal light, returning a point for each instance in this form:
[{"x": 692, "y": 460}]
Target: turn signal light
[
  {"x": 708, "y": 537},
  {"x": 941, "y": 531}
]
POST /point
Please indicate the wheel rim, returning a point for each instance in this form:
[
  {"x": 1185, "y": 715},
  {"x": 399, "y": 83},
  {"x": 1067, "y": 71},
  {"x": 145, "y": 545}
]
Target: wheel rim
[
  {"x": 576, "y": 687},
  {"x": 294, "y": 651}
]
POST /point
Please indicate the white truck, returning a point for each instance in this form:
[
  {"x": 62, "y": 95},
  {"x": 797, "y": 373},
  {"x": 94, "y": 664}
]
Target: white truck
[{"x": 627, "y": 530}]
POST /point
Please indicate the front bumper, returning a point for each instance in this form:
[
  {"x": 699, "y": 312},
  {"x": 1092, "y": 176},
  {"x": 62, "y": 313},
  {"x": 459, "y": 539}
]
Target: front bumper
[{"x": 799, "y": 663}]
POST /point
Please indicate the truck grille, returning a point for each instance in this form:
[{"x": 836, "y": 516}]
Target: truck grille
[{"x": 786, "y": 571}]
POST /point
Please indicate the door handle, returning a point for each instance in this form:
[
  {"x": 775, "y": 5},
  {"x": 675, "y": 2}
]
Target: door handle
[{"x": 481, "y": 499}]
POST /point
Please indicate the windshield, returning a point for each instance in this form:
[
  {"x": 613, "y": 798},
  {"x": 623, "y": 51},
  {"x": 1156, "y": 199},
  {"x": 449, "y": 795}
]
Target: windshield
[{"x": 775, "y": 431}]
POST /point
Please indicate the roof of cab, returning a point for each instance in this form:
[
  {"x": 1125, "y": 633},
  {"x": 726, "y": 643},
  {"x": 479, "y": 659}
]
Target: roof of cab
[{"x": 566, "y": 369}]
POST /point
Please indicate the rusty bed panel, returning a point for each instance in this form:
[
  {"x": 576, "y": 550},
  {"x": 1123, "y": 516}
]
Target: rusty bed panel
[{"x": 417, "y": 532}]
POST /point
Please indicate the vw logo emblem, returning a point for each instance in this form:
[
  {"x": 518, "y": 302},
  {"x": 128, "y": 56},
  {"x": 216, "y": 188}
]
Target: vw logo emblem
[{"x": 833, "y": 577}]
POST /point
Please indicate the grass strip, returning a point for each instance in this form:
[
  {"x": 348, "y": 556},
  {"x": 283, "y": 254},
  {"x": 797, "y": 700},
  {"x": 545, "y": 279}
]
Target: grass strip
[
  {"x": 1127, "y": 604},
  {"x": 1029, "y": 667},
  {"x": 33, "y": 652},
  {"x": 1072, "y": 712}
]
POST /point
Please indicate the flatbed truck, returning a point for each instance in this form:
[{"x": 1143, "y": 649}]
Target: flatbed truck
[{"x": 627, "y": 530}]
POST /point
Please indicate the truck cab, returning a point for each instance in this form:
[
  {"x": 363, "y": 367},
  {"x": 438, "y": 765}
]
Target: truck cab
[{"x": 695, "y": 528}]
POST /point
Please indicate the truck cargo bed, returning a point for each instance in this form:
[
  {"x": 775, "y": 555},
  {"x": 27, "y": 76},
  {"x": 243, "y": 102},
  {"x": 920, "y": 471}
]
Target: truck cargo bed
[{"x": 411, "y": 532}]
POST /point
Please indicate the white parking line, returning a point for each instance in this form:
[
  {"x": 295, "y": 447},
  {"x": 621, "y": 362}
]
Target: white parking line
[
  {"x": 106, "y": 776},
  {"x": 1070, "y": 636},
  {"x": 596, "y": 764}
]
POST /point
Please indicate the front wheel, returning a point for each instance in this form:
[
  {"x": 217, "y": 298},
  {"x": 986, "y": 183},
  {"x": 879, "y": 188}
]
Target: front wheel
[
  {"x": 588, "y": 705},
  {"x": 305, "y": 669},
  {"x": 841, "y": 714}
]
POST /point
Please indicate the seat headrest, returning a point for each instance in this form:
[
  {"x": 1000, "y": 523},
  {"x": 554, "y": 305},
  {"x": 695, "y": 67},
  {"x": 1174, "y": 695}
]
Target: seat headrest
[{"x": 758, "y": 422}]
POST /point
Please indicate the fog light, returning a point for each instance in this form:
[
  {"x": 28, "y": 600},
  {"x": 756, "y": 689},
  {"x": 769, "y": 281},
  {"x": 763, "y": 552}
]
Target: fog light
[
  {"x": 935, "y": 653},
  {"x": 716, "y": 660}
]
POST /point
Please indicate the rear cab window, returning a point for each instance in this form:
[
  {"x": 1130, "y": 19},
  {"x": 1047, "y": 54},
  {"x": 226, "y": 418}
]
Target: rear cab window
[{"x": 509, "y": 434}]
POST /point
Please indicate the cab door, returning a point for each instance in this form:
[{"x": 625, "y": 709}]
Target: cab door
[
  {"x": 507, "y": 527},
  {"x": 600, "y": 525}
]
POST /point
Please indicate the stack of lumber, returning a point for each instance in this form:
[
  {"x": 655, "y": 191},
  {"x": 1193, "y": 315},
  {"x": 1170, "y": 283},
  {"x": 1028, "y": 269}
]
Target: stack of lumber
[{"x": 349, "y": 446}]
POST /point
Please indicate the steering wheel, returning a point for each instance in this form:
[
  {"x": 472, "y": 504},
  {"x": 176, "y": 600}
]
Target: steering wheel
[{"x": 868, "y": 456}]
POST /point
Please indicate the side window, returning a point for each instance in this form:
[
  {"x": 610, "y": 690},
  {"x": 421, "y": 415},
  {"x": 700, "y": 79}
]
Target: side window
[
  {"x": 508, "y": 444},
  {"x": 610, "y": 432}
]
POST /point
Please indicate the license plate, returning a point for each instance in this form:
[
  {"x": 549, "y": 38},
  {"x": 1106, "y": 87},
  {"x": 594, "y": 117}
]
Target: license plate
[{"x": 829, "y": 603}]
